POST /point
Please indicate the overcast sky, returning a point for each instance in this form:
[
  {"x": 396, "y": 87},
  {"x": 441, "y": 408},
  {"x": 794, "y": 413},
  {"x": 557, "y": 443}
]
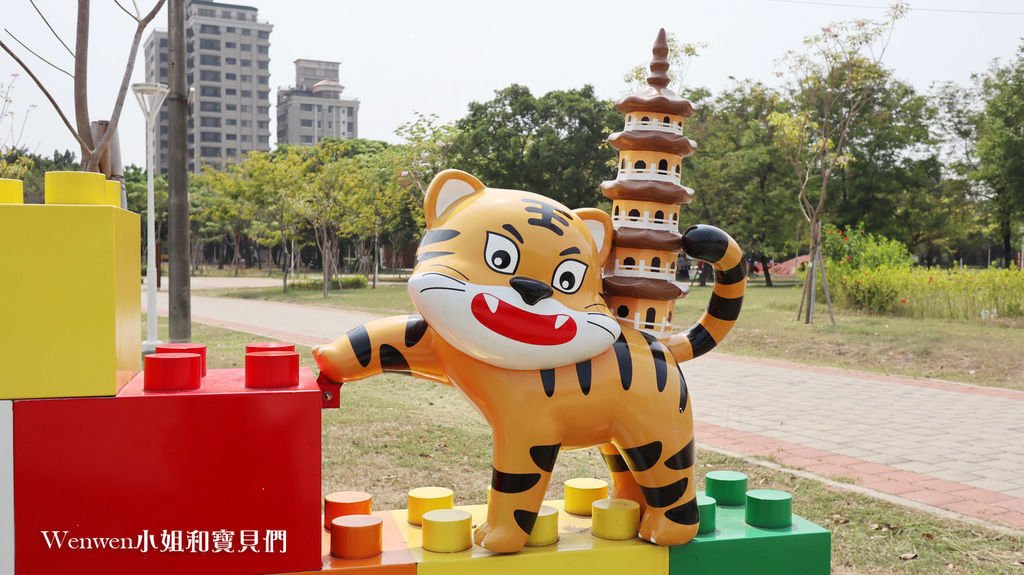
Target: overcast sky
[{"x": 436, "y": 57}]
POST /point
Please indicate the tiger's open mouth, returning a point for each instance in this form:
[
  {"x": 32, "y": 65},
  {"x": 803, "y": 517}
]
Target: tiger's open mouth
[{"x": 521, "y": 325}]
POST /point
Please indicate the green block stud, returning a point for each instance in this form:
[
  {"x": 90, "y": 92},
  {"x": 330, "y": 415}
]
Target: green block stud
[
  {"x": 728, "y": 488},
  {"x": 769, "y": 509},
  {"x": 706, "y": 508}
]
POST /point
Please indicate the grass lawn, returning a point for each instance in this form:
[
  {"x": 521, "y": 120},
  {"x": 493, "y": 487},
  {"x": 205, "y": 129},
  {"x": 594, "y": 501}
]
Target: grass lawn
[
  {"x": 394, "y": 433},
  {"x": 982, "y": 353}
]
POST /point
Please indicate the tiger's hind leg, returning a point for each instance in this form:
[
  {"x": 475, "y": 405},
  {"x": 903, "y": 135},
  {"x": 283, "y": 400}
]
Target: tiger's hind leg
[
  {"x": 624, "y": 485},
  {"x": 665, "y": 476}
]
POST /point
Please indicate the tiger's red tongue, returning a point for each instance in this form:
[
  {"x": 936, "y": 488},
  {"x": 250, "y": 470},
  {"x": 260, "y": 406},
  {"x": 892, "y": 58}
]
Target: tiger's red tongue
[{"x": 521, "y": 325}]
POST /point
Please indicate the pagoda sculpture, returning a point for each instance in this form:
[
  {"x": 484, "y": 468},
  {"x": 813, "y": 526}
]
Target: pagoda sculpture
[{"x": 639, "y": 281}]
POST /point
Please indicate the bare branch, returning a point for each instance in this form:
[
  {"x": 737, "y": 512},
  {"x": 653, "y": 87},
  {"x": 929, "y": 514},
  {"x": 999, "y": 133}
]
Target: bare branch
[
  {"x": 47, "y": 22},
  {"x": 45, "y": 93},
  {"x": 115, "y": 115},
  {"x": 33, "y": 52},
  {"x": 138, "y": 13},
  {"x": 125, "y": 10},
  {"x": 81, "y": 79}
]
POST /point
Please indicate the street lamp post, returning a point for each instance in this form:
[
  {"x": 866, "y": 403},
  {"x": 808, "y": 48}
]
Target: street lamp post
[{"x": 150, "y": 97}]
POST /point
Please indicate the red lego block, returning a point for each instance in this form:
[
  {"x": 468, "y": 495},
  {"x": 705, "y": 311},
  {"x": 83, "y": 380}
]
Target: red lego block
[{"x": 159, "y": 482}]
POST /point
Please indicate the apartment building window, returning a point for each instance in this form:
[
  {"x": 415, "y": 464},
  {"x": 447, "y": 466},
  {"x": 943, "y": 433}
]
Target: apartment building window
[
  {"x": 230, "y": 91},
  {"x": 209, "y": 91},
  {"x": 163, "y": 129},
  {"x": 307, "y": 123},
  {"x": 231, "y": 152},
  {"x": 246, "y": 78},
  {"x": 247, "y": 93},
  {"x": 208, "y": 107},
  {"x": 163, "y": 116},
  {"x": 246, "y": 63},
  {"x": 230, "y": 61},
  {"x": 264, "y": 64},
  {"x": 209, "y": 60},
  {"x": 246, "y": 138},
  {"x": 264, "y": 80},
  {"x": 263, "y": 124},
  {"x": 351, "y": 111},
  {"x": 163, "y": 72},
  {"x": 264, "y": 139},
  {"x": 229, "y": 45},
  {"x": 163, "y": 56},
  {"x": 246, "y": 123},
  {"x": 307, "y": 139},
  {"x": 230, "y": 136},
  {"x": 209, "y": 136},
  {"x": 231, "y": 122},
  {"x": 225, "y": 14},
  {"x": 209, "y": 29},
  {"x": 230, "y": 76},
  {"x": 306, "y": 107},
  {"x": 263, "y": 35},
  {"x": 163, "y": 42},
  {"x": 246, "y": 108},
  {"x": 263, "y": 109},
  {"x": 246, "y": 32},
  {"x": 207, "y": 12},
  {"x": 209, "y": 121},
  {"x": 209, "y": 44},
  {"x": 209, "y": 75},
  {"x": 245, "y": 47},
  {"x": 230, "y": 29},
  {"x": 230, "y": 107},
  {"x": 264, "y": 94},
  {"x": 263, "y": 49},
  {"x": 209, "y": 151}
]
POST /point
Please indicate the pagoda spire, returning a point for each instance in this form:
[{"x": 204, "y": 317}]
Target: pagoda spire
[{"x": 659, "y": 64}]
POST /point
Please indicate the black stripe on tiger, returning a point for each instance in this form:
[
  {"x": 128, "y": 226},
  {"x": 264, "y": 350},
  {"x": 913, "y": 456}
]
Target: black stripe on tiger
[
  {"x": 360, "y": 340},
  {"x": 664, "y": 496},
  {"x": 724, "y": 308},
  {"x": 625, "y": 361},
  {"x": 547, "y": 378},
  {"x": 424, "y": 256},
  {"x": 513, "y": 482},
  {"x": 415, "y": 327},
  {"x": 705, "y": 242},
  {"x": 392, "y": 360},
  {"x": 643, "y": 457},
  {"x": 733, "y": 275},
  {"x": 525, "y": 519},
  {"x": 658, "y": 354},
  {"x": 615, "y": 462},
  {"x": 544, "y": 456},
  {"x": 583, "y": 373},
  {"x": 683, "y": 392},
  {"x": 682, "y": 459},
  {"x": 434, "y": 236},
  {"x": 685, "y": 514},
  {"x": 700, "y": 340}
]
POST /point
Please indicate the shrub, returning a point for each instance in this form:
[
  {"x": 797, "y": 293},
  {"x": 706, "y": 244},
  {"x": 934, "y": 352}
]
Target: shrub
[{"x": 345, "y": 282}]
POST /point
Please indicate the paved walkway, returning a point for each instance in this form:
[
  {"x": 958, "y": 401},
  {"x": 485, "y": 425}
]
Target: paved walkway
[{"x": 955, "y": 447}]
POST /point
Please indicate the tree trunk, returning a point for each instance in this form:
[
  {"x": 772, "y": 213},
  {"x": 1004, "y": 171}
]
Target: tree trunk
[
  {"x": 1007, "y": 237},
  {"x": 767, "y": 273},
  {"x": 237, "y": 257}
]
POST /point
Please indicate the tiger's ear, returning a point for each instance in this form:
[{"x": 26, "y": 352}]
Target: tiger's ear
[
  {"x": 600, "y": 225},
  {"x": 447, "y": 188}
]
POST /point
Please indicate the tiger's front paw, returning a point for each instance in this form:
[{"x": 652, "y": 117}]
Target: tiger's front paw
[{"x": 500, "y": 538}]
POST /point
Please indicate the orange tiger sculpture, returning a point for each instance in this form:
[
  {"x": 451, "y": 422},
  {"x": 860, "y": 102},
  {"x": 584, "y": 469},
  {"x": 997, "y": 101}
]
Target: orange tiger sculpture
[{"x": 508, "y": 285}]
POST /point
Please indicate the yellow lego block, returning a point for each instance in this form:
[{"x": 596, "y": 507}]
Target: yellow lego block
[
  {"x": 577, "y": 551},
  {"x": 11, "y": 191},
  {"x": 69, "y": 301}
]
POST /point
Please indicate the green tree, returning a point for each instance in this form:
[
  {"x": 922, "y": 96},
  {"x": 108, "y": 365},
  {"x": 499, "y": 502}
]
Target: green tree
[
  {"x": 553, "y": 145},
  {"x": 1000, "y": 148}
]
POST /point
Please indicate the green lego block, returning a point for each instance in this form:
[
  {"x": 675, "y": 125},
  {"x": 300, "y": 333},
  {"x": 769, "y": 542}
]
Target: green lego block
[{"x": 736, "y": 548}]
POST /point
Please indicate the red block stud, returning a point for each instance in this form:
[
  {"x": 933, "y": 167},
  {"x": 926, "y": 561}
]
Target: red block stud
[
  {"x": 269, "y": 346},
  {"x": 271, "y": 369},
  {"x": 357, "y": 536},
  {"x": 184, "y": 348},
  {"x": 342, "y": 503},
  {"x": 173, "y": 371}
]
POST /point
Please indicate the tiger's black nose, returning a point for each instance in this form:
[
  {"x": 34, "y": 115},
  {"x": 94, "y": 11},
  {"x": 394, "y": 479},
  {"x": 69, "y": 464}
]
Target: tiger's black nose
[{"x": 531, "y": 290}]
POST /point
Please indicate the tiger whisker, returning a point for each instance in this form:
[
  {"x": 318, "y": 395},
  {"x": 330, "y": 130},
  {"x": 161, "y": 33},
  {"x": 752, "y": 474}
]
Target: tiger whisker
[
  {"x": 594, "y": 305},
  {"x": 602, "y": 327},
  {"x": 447, "y": 277},
  {"x": 441, "y": 287},
  {"x": 451, "y": 268}
]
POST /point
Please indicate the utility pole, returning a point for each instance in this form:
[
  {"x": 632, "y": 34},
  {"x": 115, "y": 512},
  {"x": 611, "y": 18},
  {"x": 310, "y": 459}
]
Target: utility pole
[{"x": 179, "y": 294}]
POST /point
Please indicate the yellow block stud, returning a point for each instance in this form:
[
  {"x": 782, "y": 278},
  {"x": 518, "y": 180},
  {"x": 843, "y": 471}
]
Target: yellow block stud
[
  {"x": 424, "y": 499},
  {"x": 75, "y": 188},
  {"x": 545, "y": 529},
  {"x": 616, "y": 519},
  {"x": 447, "y": 530},
  {"x": 12, "y": 191},
  {"x": 112, "y": 197},
  {"x": 582, "y": 492}
]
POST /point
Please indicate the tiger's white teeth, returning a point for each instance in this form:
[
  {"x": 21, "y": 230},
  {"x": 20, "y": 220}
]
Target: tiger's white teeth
[
  {"x": 560, "y": 320},
  {"x": 492, "y": 302}
]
